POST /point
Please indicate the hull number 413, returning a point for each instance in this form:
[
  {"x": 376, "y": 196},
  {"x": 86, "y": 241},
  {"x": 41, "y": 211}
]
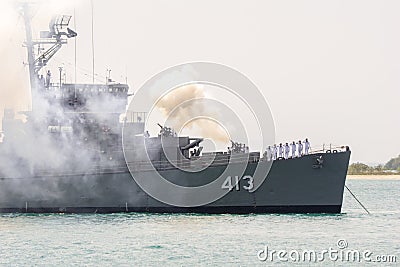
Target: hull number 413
[{"x": 230, "y": 183}]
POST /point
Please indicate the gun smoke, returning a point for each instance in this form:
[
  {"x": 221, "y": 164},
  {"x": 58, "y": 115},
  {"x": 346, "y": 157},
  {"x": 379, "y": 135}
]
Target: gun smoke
[{"x": 185, "y": 113}]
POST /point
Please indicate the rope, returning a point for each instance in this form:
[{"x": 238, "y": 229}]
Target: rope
[{"x": 359, "y": 202}]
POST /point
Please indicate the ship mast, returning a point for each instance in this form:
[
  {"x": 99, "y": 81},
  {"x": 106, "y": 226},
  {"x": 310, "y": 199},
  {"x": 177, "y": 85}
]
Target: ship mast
[
  {"x": 58, "y": 29},
  {"x": 29, "y": 47}
]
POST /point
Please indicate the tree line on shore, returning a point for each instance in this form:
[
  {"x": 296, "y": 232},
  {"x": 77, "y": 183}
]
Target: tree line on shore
[{"x": 391, "y": 167}]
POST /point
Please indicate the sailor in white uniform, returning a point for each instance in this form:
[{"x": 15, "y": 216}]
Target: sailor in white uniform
[
  {"x": 269, "y": 153},
  {"x": 293, "y": 145},
  {"x": 280, "y": 150},
  {"x": 287, "y": 150},
  {"x": 299, "y": 149},
  {"x": 306, "y": 146},
  {"x": 275, "y": 152}
]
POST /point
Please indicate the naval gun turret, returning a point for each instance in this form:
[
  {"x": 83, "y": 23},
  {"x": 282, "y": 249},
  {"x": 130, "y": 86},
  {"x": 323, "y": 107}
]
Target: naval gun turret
[{"x": 166, "y": 131}]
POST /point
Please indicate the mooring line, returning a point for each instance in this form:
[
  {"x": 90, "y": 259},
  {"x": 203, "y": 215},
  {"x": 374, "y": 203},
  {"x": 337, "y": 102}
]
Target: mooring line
[{"x": 359, "y": 202}]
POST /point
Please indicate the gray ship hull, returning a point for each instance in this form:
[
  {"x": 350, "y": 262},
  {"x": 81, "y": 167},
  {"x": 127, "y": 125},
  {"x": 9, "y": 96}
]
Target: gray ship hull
[{"x": 292, "y": 186}]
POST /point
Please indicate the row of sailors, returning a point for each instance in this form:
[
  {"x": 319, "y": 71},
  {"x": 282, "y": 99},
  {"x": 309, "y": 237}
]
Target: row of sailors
[
  {"x": 238, "y": 148},
  {"x": 275, "y": 152}
]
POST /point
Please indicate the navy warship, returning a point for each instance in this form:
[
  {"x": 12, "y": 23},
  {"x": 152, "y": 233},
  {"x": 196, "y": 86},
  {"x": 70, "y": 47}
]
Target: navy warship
[{"x": 68, "y": 156}]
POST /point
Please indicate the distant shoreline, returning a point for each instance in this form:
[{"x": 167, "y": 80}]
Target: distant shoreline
[{"x": 373, "y": 177}]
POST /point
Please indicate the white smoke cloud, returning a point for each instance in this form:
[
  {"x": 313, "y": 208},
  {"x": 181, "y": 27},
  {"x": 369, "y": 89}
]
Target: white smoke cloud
[{"x": 185, "y": 113}]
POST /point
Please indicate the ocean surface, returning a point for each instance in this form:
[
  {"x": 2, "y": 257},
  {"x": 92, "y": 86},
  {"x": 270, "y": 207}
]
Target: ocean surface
[{"x": 139, "y": 239}]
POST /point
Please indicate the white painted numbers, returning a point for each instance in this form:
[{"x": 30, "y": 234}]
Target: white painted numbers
[
  {"x": 250, "y": 184},
  {"x": 230, "y": 184}
]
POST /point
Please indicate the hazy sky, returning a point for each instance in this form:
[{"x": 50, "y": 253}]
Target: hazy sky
[{"x": 330, "y": 70}]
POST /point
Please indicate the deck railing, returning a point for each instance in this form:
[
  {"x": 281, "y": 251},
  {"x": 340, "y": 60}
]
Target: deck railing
[{"x": 197, "y": 162}]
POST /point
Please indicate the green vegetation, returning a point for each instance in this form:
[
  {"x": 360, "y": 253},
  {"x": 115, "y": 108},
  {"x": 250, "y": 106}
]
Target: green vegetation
[
  {"x": 391, "y": 167},
  {"x": 393, "y": 164}
]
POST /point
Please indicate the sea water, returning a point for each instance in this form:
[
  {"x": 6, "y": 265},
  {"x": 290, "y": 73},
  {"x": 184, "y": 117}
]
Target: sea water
[{"x": 139, "y": 239}]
